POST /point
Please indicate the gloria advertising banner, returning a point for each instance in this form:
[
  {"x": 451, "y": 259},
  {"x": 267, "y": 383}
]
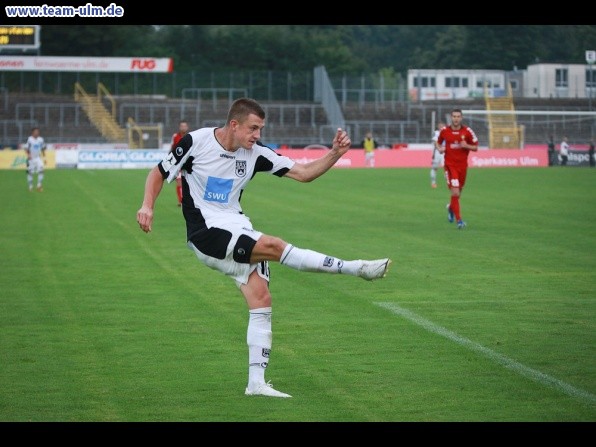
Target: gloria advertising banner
[{"x": 119, "y": 159}]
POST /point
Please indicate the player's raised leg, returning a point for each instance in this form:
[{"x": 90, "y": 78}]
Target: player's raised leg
[{"x": 312, "y": 261}]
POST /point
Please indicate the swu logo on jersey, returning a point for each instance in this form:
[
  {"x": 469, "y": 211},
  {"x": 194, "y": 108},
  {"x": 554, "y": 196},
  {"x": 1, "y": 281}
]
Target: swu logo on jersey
[
  {"x": 218, "y": 189},
  {"x": 240, "y": 168}
]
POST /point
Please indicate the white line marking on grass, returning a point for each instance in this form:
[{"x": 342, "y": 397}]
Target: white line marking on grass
[{"x": 533, "y": 374}]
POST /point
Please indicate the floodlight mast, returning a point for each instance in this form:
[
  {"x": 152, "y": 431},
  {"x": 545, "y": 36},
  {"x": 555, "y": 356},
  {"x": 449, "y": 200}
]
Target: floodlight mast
[{"x": 590, "y": 59}]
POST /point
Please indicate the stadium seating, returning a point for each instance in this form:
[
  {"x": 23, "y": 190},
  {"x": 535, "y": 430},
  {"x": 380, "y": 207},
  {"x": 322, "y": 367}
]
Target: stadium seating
[{"x": 289, "y": 123}]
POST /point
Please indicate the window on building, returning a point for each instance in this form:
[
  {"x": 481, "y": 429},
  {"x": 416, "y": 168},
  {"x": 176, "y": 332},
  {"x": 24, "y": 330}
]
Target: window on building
[
  {"x": 452, "y": 82},
  {"x": 514, "y": 84},
  {"x": 424, "y": 81},
  {"x": 561, "y": 77},
  {"x": 590, "y": 78}
]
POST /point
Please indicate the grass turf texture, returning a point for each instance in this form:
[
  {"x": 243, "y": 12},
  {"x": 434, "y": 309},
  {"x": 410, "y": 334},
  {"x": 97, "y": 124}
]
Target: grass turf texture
[{"x": 102, "y": 322}]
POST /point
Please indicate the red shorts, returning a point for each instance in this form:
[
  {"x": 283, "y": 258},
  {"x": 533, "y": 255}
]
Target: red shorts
[{"x": 456, "y": 176}]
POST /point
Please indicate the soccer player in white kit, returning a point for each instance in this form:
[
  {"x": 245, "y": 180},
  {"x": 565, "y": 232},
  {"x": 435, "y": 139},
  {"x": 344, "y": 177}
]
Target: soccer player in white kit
[
  {"x": 438, "y": 158},
  {"x": 36, "y": 151},
  {"x": 217, "y": 163}
]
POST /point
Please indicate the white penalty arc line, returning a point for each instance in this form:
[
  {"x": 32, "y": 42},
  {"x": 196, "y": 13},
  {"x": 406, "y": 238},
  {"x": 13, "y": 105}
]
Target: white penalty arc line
[{"x": 533, "y": 374}]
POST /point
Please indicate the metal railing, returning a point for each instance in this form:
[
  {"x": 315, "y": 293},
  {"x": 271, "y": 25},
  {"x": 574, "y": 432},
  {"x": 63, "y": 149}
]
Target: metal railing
[
  {"x": 294, "y": 124},
  {"x": 45, "y": 113},
  {"x": 15, "y": 132}
]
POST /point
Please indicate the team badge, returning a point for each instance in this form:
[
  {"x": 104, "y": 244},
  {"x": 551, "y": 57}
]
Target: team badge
[
  {"x": 179, "y": 151},
  {"x": 240, "y": 168}
]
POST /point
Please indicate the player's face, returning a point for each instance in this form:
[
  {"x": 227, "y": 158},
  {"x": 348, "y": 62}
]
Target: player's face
[
  {"x": 248, "y": 132},
  {"x": 456, "y": 118},
  {"x": 183, "y": 128}
]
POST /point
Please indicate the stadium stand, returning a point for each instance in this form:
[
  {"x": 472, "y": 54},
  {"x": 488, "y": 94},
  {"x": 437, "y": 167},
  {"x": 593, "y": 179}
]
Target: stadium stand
[{"x": 292, "y": 124}]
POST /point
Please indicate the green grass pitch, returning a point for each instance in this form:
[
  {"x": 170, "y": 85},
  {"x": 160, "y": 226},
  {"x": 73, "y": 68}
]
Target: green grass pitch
[{"x": 496, "y": 322}]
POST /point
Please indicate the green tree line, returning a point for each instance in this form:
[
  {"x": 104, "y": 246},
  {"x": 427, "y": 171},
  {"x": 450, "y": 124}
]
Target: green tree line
[{"x": 342, "y": 49}]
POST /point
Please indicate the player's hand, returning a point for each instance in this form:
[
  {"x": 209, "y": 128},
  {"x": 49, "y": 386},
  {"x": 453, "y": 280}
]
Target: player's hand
[
  {"x": 145, "y": 218},
  {"x": 341, "y": 142}
]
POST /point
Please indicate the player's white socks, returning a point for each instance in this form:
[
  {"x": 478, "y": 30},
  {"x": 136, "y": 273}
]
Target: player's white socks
[
  {"x": 30, "y": 180},
  {"x": 258, "y": 338},
  {"x": 39, "y": 179},
  {"x": 311, "y": 261},
  {"x": 433, "y": 175}
]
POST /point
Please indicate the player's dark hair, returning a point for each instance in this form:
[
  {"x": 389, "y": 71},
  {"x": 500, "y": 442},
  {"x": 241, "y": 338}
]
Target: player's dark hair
[
  {"x": 456, "y": 111},
  {"x": 243, "y": 107}
]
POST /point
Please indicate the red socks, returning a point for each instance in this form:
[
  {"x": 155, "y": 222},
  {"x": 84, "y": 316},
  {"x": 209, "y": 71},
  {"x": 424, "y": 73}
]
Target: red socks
[{"x": 454, "y": 205}]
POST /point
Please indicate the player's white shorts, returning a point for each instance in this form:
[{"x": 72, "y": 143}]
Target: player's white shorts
[
  {"x": 227, "y": 247},
  {"x": 35, "y": 165},
  {"x": 368, "y": 156}
]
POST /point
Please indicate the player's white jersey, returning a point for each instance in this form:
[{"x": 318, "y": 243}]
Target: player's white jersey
[
  {"x": 438, "y": 158},
  {"x": 35, "y": 146},
  {"x": 214, "y": 179}
]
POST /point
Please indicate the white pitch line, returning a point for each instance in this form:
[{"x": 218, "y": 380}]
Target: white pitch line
[{"x": 533, "y": 374}]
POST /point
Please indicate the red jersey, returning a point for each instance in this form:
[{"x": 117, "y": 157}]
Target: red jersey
[
  {"x": 175, "y": 138},
  {"x": 455, "y": 155}
]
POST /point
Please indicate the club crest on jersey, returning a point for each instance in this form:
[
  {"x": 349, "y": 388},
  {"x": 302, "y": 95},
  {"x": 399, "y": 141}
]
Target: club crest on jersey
[
  {"x": 179, "y": 151},
  {"x": 240, "y": 168}
]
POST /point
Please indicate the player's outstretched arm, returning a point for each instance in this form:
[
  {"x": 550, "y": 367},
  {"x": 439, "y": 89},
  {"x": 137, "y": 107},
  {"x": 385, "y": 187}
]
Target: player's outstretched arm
[
  {"x": 307, "y": 172},
  {"x": 153, "y": 186}
]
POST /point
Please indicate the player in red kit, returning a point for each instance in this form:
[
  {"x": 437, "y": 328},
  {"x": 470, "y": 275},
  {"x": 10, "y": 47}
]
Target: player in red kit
[
  {"x": 456, "y": 141},
  {"x": 182, "y": 130}
]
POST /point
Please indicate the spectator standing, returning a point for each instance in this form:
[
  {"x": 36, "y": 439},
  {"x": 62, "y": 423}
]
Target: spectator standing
[
  {"x": 369, "y": 144},
  {"x": 551, "y": 150}
]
